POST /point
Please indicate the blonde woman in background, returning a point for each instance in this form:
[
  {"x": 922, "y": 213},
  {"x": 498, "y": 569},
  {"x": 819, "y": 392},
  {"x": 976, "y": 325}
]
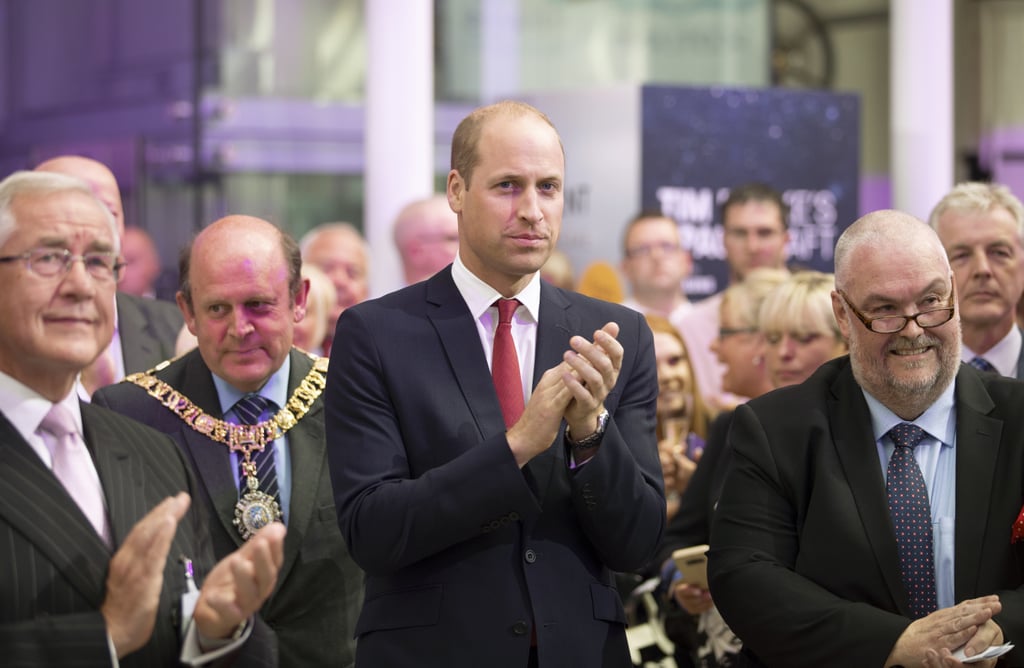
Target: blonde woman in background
[
  {"x": 740, "y": 345},
  {"x": 311, "y": 330},
  {"x": 800, "y": 331},
  {"x": 682, "y": 416}
]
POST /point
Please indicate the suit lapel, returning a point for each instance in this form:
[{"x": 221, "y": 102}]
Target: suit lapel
[
  {"x": 458, "y": 335},
  {"x": 307, "y": 447},
  {"x": 212, "y": 459},
  {"x": 855, "y": 447},
  {"x": 121, "y": 474},
  {"x": 555, "y": 326},
  {"x": 977, "y": 447},
  {"x": 36, "y": 504}
]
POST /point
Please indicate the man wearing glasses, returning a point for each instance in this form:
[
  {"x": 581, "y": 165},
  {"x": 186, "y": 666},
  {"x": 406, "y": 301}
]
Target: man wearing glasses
[
  {"x": 145, "y": 330},
  {"x": 871, "y": 514},
  {"x": 655, "y": 266},
  {"x": 95, "y": 520}
]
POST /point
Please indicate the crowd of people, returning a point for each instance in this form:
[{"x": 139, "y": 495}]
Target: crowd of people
[{"x": 278, "y": 470}]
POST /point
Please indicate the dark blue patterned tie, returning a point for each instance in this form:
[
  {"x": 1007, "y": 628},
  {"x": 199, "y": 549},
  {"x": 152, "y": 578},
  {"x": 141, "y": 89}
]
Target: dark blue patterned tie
[
  {"x": 249, "y": 410},
  {"x": 981, "y": 364},
  {"x": 912, "y": 519}
]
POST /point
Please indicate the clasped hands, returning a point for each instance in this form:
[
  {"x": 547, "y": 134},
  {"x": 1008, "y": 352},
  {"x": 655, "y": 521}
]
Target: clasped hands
[
  {"x": 574, "y": 390},
  {"x": 930, "y": 641},
  {"x": 232, "y": 592}
]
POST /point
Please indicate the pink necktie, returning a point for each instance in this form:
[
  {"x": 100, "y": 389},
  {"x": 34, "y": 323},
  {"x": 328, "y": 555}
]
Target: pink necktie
[
  {"x": 73, "y": 466},
  {"x": 505, "y": 364}
]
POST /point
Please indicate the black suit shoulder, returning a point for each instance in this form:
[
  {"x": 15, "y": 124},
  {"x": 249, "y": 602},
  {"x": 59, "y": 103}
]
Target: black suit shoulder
[{"x": 164, "y": 318}]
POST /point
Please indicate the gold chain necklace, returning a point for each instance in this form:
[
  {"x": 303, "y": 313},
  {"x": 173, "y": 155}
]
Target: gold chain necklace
[{"x": 255, "y": 509}]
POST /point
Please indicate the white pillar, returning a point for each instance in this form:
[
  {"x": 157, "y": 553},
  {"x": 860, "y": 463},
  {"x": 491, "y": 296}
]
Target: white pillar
[
  {"x": 921, "y": 47},
  {"x": 500, "y": 35},
  {"x": 399, "y": 134}
]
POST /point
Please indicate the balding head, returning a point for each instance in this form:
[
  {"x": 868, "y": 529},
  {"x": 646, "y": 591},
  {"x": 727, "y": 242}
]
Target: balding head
[
  {"x": 339, "y": 250},
  {"x": 237, "y": 231},
  {"x": 896, "y": 306},
  {"x": 97, "y": 175},
  {"x": 241, "y": 295},
  {"x": 426, "y": 234},
  {"x": 885, "y": 232}
]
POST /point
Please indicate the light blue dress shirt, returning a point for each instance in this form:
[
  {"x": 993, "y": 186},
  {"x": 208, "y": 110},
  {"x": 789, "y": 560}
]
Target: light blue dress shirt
[
  {"x": 275, "y": 389},
  {"x": 936, "y": 456}
]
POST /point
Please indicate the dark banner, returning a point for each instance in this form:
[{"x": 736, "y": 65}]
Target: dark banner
[{"x": 697, "y": 143}]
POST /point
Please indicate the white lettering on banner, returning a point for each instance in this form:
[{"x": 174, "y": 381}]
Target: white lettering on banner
[
  {"x": 687, "y": 204},
  {"x": 812, "y": 220}
]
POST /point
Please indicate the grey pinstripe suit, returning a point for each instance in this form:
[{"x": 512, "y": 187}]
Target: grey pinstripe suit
[{"x": 53, "y": 566}]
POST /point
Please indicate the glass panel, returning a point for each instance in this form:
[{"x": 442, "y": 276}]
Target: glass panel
[{"x": 588, "y": 43}]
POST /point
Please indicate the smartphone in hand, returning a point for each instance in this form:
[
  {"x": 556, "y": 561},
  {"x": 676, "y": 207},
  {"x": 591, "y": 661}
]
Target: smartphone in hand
[{"x": 692, "y": 563}]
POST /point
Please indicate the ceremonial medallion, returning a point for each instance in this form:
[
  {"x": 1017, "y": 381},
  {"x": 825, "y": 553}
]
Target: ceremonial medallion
[{"x": 255, "y": 510}]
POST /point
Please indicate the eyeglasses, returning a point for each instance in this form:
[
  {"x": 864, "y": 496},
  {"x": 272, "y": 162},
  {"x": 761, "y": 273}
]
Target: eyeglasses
[
  {"x": 726, "y": 332},
  {"x": 646, "y": 250},
  {"x": 890, "y": 324},
  {"x": 50, "y": 262}
]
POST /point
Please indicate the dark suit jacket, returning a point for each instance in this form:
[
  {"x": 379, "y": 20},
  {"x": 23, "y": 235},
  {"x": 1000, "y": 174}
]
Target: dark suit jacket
[
  {"x": 692, "y": 524},
  {"x": 148, "y": 329},
  {"x": 54, "y": 566},
  {"x": 803, "y": 560},
  {"x": 464, "y": 551},
  {"x": 317, "y": 598}
]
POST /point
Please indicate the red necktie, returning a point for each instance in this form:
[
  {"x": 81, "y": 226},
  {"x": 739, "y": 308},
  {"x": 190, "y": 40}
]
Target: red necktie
[{"x": 505, "y": 364}]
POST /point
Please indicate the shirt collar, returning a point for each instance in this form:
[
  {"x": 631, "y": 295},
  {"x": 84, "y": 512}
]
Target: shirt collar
[
  {"x": 25, "y": 408},
  {"x": 275, "y": 389},
  {"x": 479, "y": 296},
  {"x": 1003, "y": 356},
  {"x": 939, "y": 420}
]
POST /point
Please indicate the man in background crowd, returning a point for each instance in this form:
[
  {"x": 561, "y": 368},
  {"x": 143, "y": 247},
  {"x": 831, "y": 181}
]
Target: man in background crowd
[
  {"x": 141, "y": 263},
  {"x": 339, "y": 250},
  {"x": 655, "y": 266},
  {"x": 426, "y": 235},
  {"x": 755, "y": 234},
  {"x": 981, "y": 226}
]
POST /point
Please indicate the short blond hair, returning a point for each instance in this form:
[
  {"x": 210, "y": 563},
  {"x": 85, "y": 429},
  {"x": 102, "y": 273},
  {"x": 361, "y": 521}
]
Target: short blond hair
[
  {"x": 802, "y": 305},
  {"x": 466, "y": 138}
]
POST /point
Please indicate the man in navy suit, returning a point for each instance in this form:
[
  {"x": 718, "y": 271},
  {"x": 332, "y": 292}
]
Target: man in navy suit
[
  {"x": 489, "y": 531},
  {"x": 810, "y": 562},
  {"x": 95, "y": 514},
  {"x": 981, "y": 226}
]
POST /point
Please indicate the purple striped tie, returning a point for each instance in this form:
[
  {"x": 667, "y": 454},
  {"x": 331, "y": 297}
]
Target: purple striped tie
[{"x": 249, "y": 410}]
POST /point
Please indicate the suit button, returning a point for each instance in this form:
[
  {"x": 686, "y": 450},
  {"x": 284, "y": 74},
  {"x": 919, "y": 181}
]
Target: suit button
[
  {"x": 520, "y": 628},
  {"x": 530, "y": 556}
]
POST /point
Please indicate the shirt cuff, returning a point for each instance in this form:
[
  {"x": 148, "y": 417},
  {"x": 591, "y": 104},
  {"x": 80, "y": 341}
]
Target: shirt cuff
[{"x": 192, "y": 650}]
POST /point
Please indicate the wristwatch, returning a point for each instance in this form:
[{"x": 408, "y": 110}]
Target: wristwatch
[{"x": 592, "y": 441}]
